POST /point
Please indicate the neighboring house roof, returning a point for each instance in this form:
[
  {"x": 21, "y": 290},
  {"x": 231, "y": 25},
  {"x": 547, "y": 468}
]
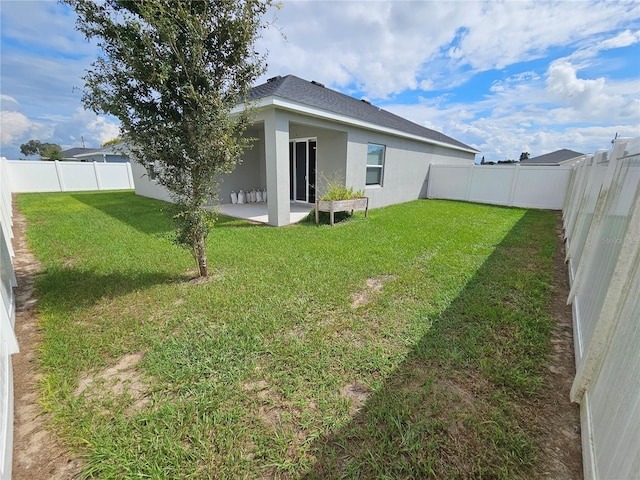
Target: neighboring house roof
[
  {"x": 70, "y": 153},
  {"x": 553, "y": 158},
  {"x": 108, "y": 150},
  {"x": 316, "y": 95}
]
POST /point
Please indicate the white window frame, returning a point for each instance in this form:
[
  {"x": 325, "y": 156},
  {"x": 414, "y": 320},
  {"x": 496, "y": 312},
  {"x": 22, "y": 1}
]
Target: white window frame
[{"x": 380, "y": 167}]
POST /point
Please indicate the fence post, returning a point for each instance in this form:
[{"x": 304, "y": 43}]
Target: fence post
[
  {"x": 130, "y": 175},
  {"x": 467, "y": 191},
  {"x": 514, "y": 184},
  {"x": 96, "y": 172},
  {"x": 60, "y": 176}
]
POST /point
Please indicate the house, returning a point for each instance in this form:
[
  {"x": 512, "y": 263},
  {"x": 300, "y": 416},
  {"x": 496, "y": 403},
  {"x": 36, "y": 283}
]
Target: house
[
  {"x": 559, "y": 157},
  {"x": 307, "y": 133},
  {"x": 69, "y": 154},
  {"x": 110, "y": 154}
]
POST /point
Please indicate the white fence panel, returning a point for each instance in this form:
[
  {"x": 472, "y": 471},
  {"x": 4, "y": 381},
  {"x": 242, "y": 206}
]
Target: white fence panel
[
  {"x": 602, "y": 223},
  {"x": 541, "y": 187},
  {"x": 449, "y": 183},
  {"x": 111, "y": 176},
  {"x": 512, "y": 185},
  {"x": 491, "y": 185},
  {"x": 8, "y": 342},
  {"x": 33, "y": 176},
  {"x": 42, "y": 176},
  {"x": 77, "y": 176}
]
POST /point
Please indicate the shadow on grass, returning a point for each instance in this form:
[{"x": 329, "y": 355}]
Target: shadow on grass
[
  {"x": 66, "y": 289},
  {"x": 459, "y": 404},
  {"x": 147, "y": 215},
  {"x": 223, "y": 221}
]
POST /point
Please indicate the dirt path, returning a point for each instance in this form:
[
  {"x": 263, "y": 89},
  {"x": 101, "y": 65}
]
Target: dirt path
[
  {"x": 38, "y": 453},
  {"x": 556, "y": 419}
]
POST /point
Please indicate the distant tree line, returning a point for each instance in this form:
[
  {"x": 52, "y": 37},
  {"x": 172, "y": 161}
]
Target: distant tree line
[
  {"x": 47, "y": 151},
  {"x": 523, "y": 156}
]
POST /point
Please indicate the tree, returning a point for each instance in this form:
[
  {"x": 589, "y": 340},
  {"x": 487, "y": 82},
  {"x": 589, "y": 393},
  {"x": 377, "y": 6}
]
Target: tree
[
  {"x": 32, "y": 147},
  {"x": 51, "y": 151},
  {"x": 113, "y": 141},
  {"x": 47, "y": 151},
  {"x": 524, "y": 156},
  {"x": 172, "y": 72}
]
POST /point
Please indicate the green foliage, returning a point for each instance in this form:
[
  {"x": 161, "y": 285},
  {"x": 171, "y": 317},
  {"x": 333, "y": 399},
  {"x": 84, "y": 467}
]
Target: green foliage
[
  {"x": 171, "y": 72},
  {"x": 51, "y": 151},
  {"x": 192, "y": 230},
  {"x": 47, "y": 151},
  {"x": 113, "y": 141},
  {"x": 32, "y": 147},
  {"x": 335, "y": 189},
  {"x": 269, "y": 369}
]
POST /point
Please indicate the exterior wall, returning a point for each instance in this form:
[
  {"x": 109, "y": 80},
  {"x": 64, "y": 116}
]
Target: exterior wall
[
  {"x": 341, "y": 155},
  {"x": 406, "y": 166},
  {"x": 331, "y": 152},
  {"x": 146, "y": 187},
  {"x": 248, "y": 174}
]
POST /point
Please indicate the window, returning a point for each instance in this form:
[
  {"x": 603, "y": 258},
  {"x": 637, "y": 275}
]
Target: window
[
  {"x": 152, "y": 170},
  {"x": 375, "y": 164}
]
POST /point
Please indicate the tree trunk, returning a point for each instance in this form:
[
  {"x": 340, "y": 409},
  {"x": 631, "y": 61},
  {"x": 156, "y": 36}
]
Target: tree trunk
[{"x": 201, "y": 256}]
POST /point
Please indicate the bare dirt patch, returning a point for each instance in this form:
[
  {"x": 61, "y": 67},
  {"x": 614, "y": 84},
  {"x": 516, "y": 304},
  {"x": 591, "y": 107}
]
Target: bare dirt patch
[
  {"x": 356, "y": 394},
  {"x": 374, "y": 285},
  {"x": 122, "y": 378}
]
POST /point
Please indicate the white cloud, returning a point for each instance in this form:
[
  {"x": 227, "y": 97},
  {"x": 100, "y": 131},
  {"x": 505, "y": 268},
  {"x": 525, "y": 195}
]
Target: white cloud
[
  {"x": 591, "y": 99},
  {"x": 384, "y": 48},
  {"x": 84, "y": 126},
  {"x": 624, "y": 39},
  {"x": 14, "y": 125}
]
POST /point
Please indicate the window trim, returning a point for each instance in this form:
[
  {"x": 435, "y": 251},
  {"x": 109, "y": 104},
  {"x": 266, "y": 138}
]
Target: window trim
[{"x": 380, "y": 167}]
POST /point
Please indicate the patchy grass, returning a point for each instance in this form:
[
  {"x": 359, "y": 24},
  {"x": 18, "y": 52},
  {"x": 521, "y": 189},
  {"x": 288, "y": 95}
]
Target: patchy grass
[{"x": 404, "y": 345}]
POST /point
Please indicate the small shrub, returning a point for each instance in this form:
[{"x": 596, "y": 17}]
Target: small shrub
[{"x": 336, "y": 190}]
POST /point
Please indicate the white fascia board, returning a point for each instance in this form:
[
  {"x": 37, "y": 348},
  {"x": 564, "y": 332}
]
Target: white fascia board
[{"x": 290, "y": 105}]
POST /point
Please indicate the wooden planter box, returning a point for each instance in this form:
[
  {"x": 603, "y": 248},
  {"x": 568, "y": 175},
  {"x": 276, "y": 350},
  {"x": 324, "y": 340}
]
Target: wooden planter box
[{"x": 332, "y": 206}]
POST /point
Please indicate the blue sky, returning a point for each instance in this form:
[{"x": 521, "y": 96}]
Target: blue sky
[{"x": 502, "y": 76}]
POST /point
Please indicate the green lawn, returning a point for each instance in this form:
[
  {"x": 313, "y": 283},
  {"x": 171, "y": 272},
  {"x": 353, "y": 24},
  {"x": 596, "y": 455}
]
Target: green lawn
[{"x": 403, "y": 345}]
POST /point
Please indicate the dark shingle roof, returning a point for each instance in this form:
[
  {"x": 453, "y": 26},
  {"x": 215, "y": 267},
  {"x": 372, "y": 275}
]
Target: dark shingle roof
[
  {"x": 316, "y": 95},
  {"x": 70, "y": 152},
  {"x": 553, "y": 157}
]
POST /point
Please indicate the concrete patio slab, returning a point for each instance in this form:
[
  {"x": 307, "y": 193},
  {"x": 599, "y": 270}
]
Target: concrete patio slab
[{"x": 257, "y": 212}]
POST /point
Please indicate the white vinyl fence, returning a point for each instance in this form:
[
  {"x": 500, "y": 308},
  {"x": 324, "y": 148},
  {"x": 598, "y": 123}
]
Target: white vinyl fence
[
  {"x": 8, "y": 342},
  {"x": 35, "y": 176},
  {"x": 39, "y": 176},
  {"x": 602, "y": 229},
  {"x": 511, "y": 185}
]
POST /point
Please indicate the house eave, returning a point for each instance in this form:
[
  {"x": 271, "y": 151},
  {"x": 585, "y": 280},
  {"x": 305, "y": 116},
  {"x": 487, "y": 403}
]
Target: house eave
[{"x": 278, "y": 102}]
